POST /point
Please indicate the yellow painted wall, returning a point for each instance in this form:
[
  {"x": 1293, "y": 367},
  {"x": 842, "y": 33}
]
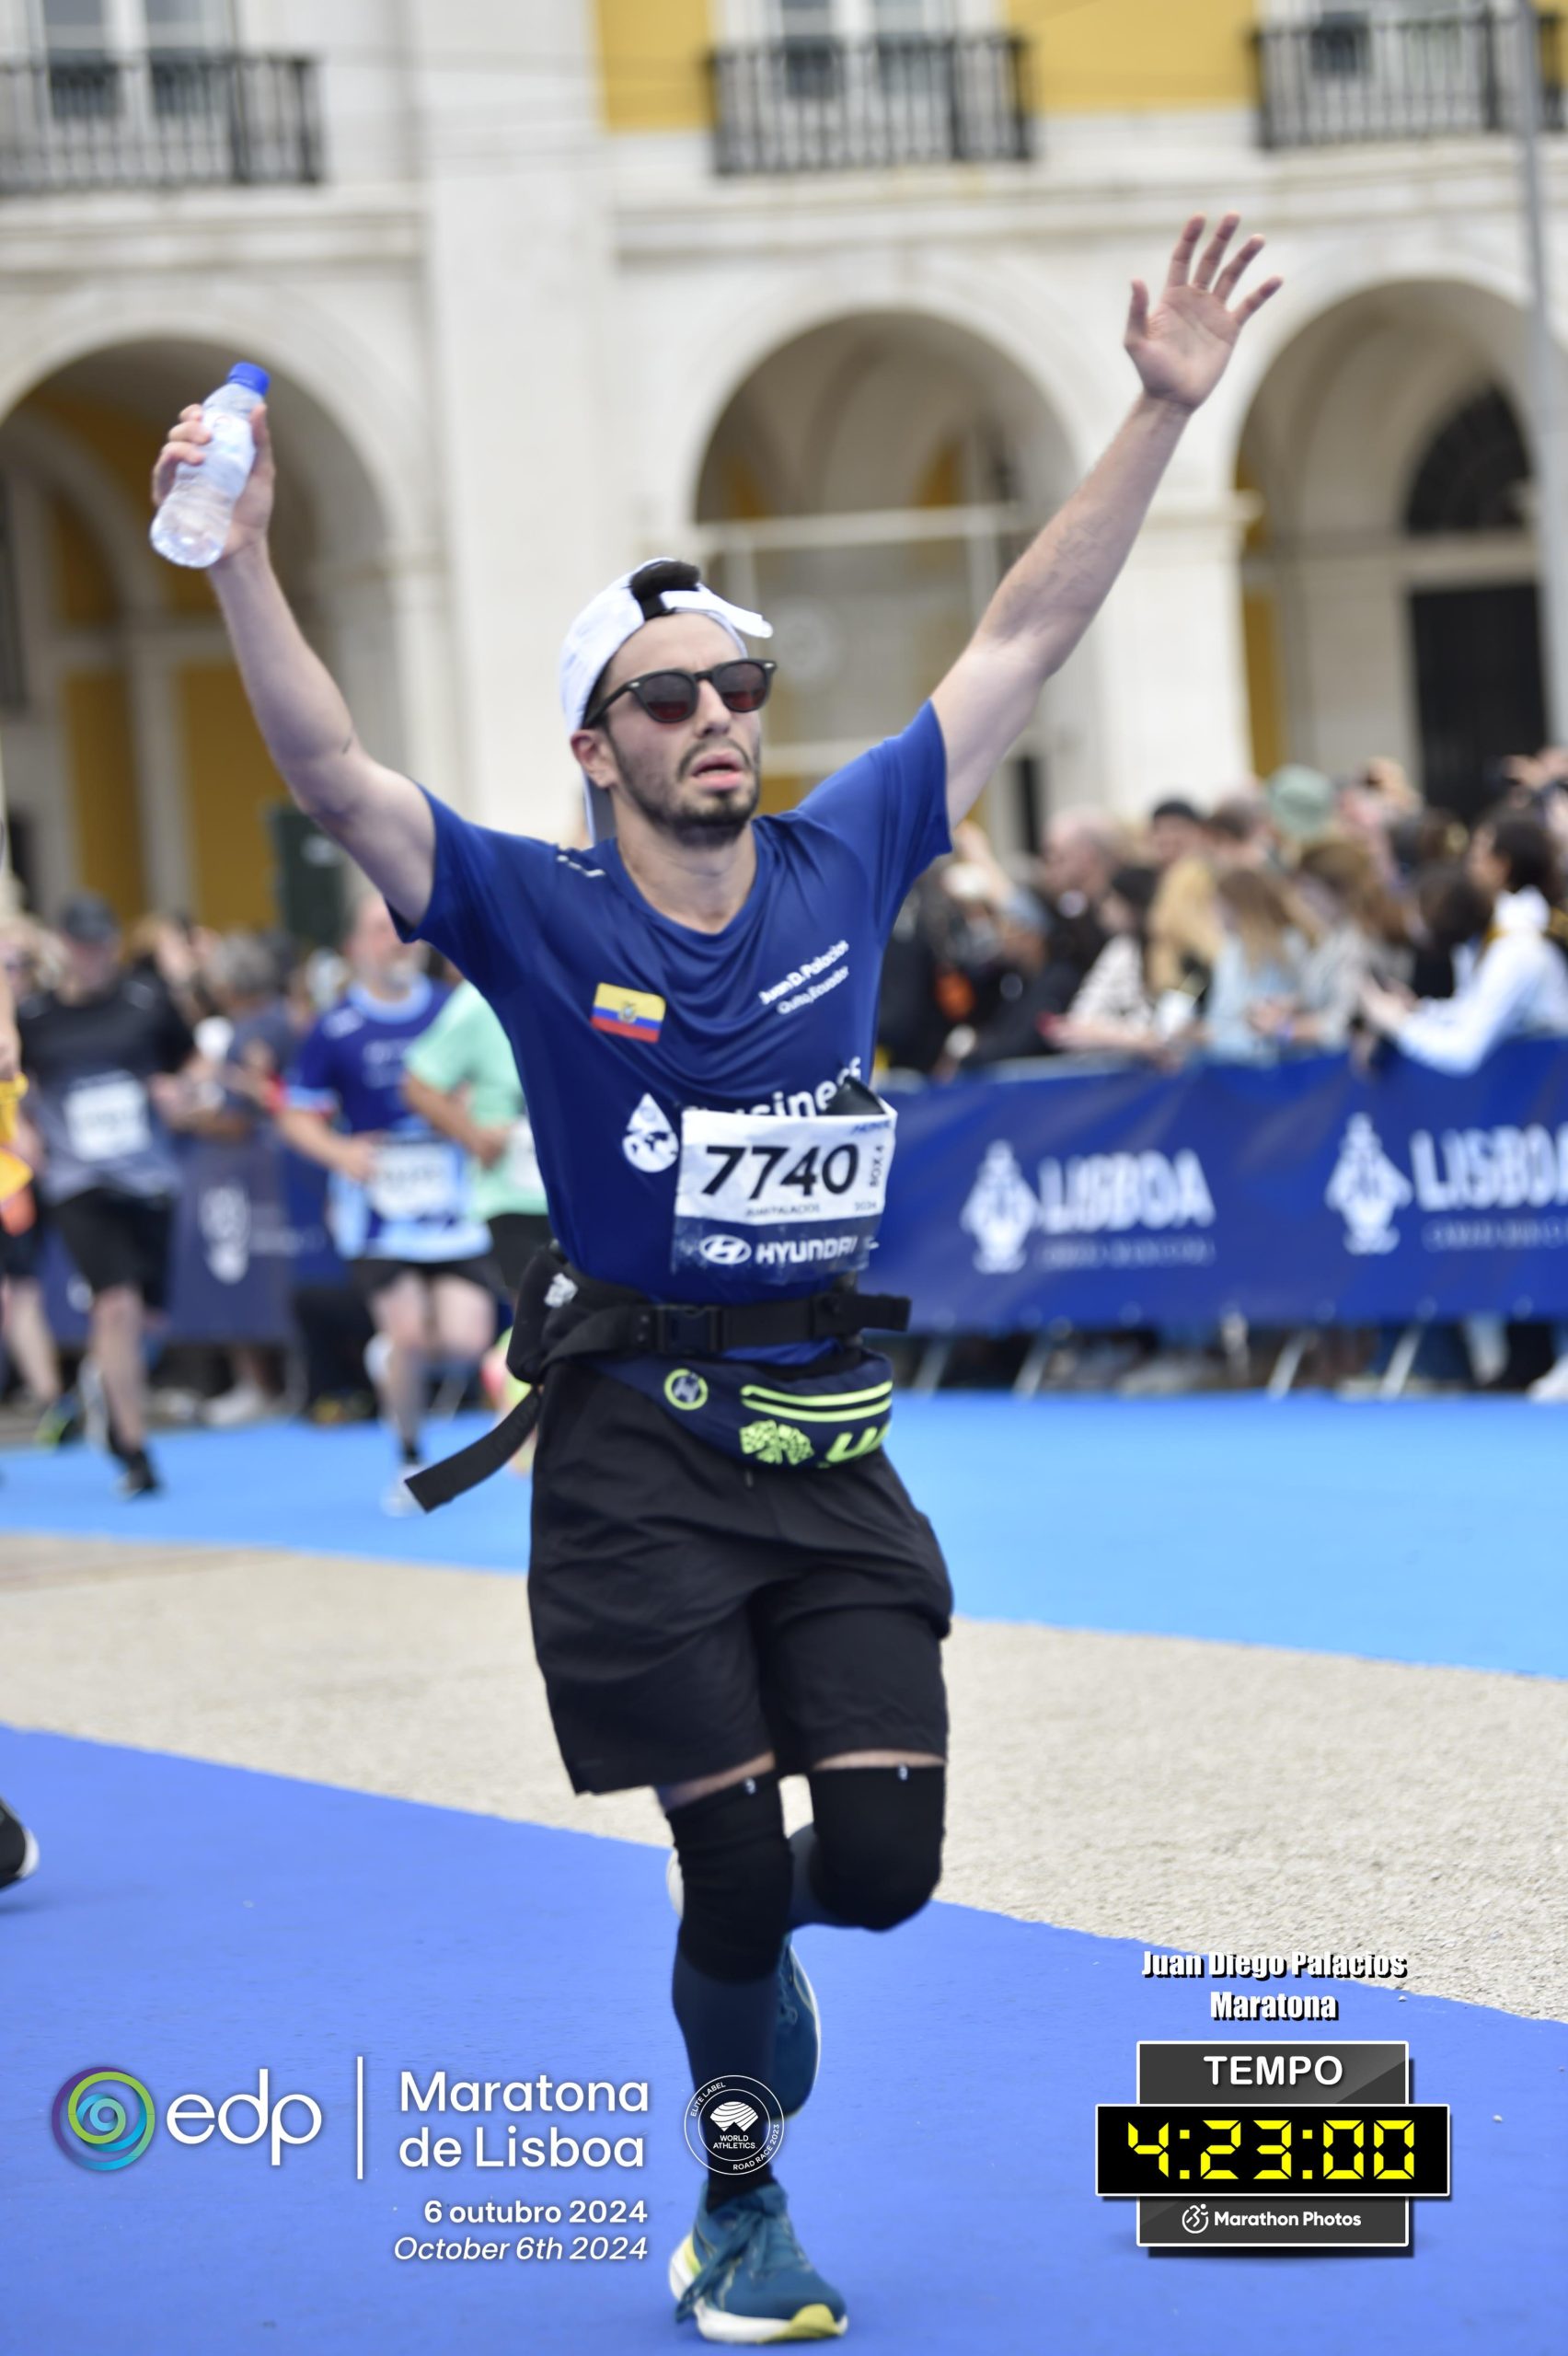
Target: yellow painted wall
[
  {"x": 1137, "y": 55},
  {"x": 229, "y": 782},
  {"x": 84, "y": 587},
  {"x": 1261, "y": 641},
  {"x": 96, "y": 718},
  {"x": 1089, "y": 56},
  {"x": 652, "y": 63},
  {"x": 1265, "y": 683},
  {"x": 778, "y": 792},
  {"x": 126, "y": 448}
]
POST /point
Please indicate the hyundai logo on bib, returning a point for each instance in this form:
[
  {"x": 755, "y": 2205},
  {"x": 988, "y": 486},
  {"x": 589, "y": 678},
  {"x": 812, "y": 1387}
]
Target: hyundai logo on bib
[{"x": 725, "y": 1251}]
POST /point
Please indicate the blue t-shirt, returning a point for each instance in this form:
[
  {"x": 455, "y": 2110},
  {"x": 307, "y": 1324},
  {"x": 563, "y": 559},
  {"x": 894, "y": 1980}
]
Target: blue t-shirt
[
  {"x": 351, "y": 1065},
  {"x": 620, "y": 1019}
]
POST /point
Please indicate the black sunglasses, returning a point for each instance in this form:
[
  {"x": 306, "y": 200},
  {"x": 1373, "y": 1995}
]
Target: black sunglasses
[{"x": 669, "y": 696}]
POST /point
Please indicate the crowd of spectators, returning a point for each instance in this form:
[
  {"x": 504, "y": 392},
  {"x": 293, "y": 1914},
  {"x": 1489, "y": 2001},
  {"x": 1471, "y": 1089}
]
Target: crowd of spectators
[{"x": 1301, "y": 916}]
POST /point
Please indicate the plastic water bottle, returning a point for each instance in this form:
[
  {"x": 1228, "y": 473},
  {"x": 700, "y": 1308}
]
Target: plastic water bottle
[{"x": 192, "y": 524}]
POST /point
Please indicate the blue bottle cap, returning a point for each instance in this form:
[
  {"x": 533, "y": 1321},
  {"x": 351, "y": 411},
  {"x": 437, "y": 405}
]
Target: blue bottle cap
[{"x": 244, "y": 372}]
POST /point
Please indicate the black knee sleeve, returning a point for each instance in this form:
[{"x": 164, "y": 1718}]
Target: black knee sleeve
[
  {"x": 878, "y": 1842},
  {"x": 736, "y": 1870}
]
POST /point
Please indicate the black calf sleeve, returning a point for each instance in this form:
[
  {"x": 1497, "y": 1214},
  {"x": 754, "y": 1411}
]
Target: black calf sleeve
[
  {"x": 873, "y": 1852},
  {"x": 736, "y": 1872}
]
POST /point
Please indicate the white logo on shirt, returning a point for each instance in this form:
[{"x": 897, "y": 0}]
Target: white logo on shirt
[
  {"x": 803, "y": 981},
  {"x": 649, "y": 1144}
]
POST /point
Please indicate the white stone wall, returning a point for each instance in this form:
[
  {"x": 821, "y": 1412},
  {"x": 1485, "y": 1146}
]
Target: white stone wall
[{"x": 503, "y": 344}]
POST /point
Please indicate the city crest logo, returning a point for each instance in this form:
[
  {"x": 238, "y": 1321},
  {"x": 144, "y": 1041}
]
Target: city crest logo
[
  {"x": 103, "y": 2119},
  {"x": 1366, "y": 1188}
]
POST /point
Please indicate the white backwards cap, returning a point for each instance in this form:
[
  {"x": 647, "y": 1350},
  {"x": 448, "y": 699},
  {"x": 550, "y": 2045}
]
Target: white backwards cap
[{"x": 664, "y": 586}]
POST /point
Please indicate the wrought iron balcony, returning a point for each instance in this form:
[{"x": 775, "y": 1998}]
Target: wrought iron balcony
[
  {"x": 836, "y": 106},
  {"x": 1350, "y": 74},
  {"x": 170, "y": 118}
]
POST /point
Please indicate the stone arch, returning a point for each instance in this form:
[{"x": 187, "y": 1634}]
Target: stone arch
[
  {"x": 360, "y": 442},
  {"x": 873, "y": 412},
  {"x": 1349, "y": 634},
  {"x": 1044, "y": 367},
  {"x": 351, "y": 510}
]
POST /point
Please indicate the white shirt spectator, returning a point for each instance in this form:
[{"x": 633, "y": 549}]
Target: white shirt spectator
[
  {"x": 1515, "y": 983},
  {"x": 1113, "y": 990}
]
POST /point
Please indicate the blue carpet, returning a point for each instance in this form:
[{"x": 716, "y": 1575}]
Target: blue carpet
[
  {"x": 192, "y": 1924},
  {"x": 1427, "y": 1531}
]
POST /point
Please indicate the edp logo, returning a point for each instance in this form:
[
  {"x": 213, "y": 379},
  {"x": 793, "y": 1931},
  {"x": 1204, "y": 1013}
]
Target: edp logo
[{"x": 193, "y": 2119}]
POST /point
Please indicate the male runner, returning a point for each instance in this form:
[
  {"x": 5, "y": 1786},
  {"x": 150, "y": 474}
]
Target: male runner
[
  {"x": 97, "y": 1050},
  {"x": 692, "y": 1005},
  {"x": 397, "y": 1203}
]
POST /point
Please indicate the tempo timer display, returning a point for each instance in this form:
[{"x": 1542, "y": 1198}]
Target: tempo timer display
[{"x": 1386, "y": 2151}]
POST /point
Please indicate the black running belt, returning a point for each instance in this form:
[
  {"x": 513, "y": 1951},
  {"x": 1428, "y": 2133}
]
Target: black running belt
[{"x": 616, "y": 1322}]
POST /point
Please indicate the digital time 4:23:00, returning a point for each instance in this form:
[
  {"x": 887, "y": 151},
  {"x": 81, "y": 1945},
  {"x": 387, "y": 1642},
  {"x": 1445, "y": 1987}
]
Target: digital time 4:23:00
[{"x": 1394, "y": 2150}]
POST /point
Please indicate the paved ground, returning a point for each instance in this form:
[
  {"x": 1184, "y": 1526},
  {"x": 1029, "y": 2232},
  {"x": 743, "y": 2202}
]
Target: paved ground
[
  {"x": 1176, "y": 1793},
  {"x": 1224, "y": 1677}
]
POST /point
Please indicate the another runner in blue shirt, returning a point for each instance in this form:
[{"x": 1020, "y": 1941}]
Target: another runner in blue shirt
[
  {"x": 728, "y": 1581},
  {"x": 397, "y": 1201}
]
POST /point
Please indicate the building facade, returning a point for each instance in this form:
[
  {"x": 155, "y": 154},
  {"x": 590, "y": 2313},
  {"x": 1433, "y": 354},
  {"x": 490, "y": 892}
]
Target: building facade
[{"x": 828, "y": 292}]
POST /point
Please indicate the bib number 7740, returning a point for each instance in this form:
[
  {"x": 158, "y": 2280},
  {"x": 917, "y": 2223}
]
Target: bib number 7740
[
  {"x": 780, "y": 1197},
  {"x": 756, "y": 1168}
]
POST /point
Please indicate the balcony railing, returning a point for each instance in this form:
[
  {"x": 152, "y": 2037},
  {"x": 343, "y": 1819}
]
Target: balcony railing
[
  {"x": 172, "y": 119},
  {"x": 834, "y": 106},
  {"x": 1349, "y": 75}
]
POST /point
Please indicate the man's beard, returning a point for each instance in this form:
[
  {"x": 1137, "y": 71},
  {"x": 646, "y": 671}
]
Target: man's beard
[{"x": 716, "y": 820}]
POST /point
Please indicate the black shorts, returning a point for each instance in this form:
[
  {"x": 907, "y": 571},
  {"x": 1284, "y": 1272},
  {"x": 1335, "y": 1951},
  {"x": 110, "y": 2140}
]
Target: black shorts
[
  {"x": 116, "y": 1239},
  {"x": 19, "y": 1253},
  {"x": 370, "y": 1277},
  {"x": 691, "y": 1612},
  {"x": 516, "y": 1236}
]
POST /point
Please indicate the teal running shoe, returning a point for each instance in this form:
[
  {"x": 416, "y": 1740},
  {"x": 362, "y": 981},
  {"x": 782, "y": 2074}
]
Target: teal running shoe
[
  {"x": 797, "y": 2034},
  {"x": 745, "y": 2280},
  {"x": 60, "y": 1423}
]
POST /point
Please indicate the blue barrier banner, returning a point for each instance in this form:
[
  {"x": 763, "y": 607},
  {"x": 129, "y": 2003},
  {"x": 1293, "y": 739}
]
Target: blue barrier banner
[
  {"x": 1298, "y": 1194},
  {"x": 248, "y": 1229}
]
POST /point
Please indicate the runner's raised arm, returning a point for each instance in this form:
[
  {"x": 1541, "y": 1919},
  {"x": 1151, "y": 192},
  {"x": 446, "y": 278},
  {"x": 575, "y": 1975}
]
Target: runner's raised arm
[{"x": 380, "y": 817}]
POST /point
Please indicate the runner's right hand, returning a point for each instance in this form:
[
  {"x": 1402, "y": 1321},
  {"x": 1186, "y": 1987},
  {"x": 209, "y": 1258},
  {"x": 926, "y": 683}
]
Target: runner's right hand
[
  {"x": 356, "y": 1158},
  {"x": 253, "y": 509}
]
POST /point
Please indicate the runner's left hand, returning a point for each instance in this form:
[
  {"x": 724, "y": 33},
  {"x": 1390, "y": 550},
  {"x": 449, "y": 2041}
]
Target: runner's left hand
[{"x": 1180, "y": 344}]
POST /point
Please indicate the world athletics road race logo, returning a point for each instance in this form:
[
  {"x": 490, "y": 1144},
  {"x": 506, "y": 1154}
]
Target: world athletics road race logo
[{"x": 103, "y": 2119}]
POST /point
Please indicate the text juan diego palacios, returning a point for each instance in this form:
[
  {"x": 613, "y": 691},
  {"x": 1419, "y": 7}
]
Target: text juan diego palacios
[{"x": 1233, "y": 2004}]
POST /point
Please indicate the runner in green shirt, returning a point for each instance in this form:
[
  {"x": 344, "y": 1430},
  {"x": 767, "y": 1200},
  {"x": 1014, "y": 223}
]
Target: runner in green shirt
[{"x": 461, "y": 1076}]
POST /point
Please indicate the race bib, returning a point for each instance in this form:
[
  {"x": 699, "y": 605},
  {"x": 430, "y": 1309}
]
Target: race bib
[
  {"x": 780, "y": 1199},
  {"x": 522, "y": 1161},
  {"x": 417, "y": 1178},
  {"x": 106, "y": 1120}
]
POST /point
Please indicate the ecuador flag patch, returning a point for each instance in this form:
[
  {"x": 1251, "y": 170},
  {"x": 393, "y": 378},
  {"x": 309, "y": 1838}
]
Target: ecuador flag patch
[{"x": 627, "y": 1014}]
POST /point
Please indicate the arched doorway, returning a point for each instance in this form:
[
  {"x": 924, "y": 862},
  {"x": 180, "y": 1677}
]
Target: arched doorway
[
  {"x": 131, "y": 764},
  {"x": 1475, "y": 643},
  {"x": 1389, "y": 578},
  {"x": 865, "y": 488}
]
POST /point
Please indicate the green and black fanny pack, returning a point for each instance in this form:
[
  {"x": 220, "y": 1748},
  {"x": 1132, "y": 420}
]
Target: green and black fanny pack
[
  {"x": 804, "y": 1417},
  {"x": 694, "y": 1361}
]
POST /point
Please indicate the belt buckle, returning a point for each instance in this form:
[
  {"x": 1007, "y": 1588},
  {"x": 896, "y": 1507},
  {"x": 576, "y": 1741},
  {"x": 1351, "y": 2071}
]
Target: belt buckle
[{"x": 688, "y": 1328}]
